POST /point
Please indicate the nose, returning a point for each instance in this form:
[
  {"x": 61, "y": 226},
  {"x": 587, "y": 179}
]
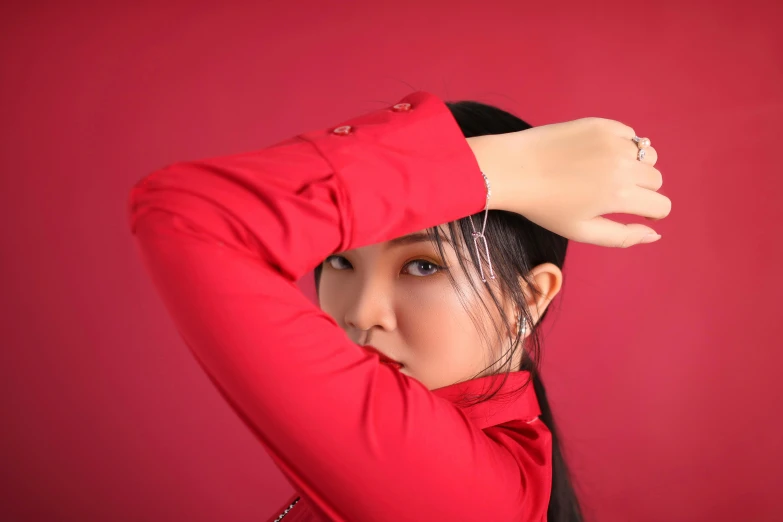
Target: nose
[{"x": 372, "y": 307}]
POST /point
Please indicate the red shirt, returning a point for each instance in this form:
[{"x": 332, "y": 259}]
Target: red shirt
[{"x": 225, "y": 239}]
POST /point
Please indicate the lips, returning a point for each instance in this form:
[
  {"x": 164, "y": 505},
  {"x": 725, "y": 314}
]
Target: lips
[
  {"x": 390, "y": 362},
  {"x": 384, "y": 359}
]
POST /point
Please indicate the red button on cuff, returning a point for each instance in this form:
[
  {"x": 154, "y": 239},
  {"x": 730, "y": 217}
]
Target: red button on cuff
[
  {"x": 400, "y": 107},
  {"x": 344, "y": 130}
]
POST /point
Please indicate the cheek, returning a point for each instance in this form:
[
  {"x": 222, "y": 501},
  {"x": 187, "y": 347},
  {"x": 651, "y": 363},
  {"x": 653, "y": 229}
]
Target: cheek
[{"x": 441, "y": 334}]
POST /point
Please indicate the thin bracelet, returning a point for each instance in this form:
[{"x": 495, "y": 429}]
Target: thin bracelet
[{"x": 480, "y": 235}]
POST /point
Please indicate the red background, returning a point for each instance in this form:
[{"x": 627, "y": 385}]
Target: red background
[{"x": 662, "y": 361}]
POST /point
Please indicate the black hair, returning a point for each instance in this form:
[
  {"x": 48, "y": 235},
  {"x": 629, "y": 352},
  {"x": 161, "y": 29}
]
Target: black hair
[{"x": 516, "y": 246}]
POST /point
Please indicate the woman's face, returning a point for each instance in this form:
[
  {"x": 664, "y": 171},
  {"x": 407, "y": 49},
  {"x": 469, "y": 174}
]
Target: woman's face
[{"x": 396, "y": 296}]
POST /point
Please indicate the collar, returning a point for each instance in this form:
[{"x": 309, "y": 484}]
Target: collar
[{"x": 507, "y": 405}]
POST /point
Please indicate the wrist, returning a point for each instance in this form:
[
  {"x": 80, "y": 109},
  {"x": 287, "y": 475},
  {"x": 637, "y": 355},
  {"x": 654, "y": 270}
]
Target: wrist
[{"x": 497, "y": 167}]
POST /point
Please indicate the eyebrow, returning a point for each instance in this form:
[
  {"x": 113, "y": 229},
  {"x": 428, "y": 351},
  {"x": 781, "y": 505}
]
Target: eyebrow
[{"x": 418, "y": 237}]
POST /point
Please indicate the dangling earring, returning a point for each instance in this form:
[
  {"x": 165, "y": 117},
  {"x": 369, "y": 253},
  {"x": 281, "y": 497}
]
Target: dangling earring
[{"x": 522, "y": 326}]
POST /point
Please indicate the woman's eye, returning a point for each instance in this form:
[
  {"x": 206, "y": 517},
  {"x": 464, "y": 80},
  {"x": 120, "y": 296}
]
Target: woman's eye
[
  {"x": 417, "y": 267},
  {"x": 338, "y": 262},
  {"x": 421, "y": 268}
]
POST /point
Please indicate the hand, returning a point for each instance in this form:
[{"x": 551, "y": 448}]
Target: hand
[{"x": 565, "y": 176}]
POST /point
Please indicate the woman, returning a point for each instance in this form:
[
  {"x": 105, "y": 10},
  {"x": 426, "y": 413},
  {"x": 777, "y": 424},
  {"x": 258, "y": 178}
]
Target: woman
[{"x": 405, "y": 396}]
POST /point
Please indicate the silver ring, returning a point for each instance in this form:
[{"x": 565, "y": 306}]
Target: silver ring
[{"x": 640, "y": 155}]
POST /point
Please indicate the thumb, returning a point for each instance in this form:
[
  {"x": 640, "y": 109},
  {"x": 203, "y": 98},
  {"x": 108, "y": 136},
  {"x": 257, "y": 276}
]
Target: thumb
[{"x": 605, "y": 232}]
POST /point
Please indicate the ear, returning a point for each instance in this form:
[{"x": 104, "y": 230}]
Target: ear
[{"x": 546, "y": 280}]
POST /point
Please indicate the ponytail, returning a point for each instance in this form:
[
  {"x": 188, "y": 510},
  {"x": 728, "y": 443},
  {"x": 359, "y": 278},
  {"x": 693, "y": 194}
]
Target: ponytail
[{"x": 563, "y": 503}]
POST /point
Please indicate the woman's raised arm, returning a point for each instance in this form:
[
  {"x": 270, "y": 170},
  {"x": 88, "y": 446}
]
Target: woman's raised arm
[{"x": 224, "y": 240}]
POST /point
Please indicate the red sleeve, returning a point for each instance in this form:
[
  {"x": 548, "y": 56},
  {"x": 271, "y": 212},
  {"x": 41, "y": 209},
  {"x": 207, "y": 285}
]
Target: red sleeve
[{"x": 224, "y": 240}]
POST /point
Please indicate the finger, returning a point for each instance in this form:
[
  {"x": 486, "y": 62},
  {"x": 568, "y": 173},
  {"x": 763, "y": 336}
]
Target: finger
[
  {"x": 648, "y": 177},
  {"x": 650, "y": 154},
  {"x": 645, "y": 203},
  {"x": 605, "y": 232}
]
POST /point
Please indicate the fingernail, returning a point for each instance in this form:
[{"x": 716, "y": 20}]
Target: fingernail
[{"x": 649, "y": 238}]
